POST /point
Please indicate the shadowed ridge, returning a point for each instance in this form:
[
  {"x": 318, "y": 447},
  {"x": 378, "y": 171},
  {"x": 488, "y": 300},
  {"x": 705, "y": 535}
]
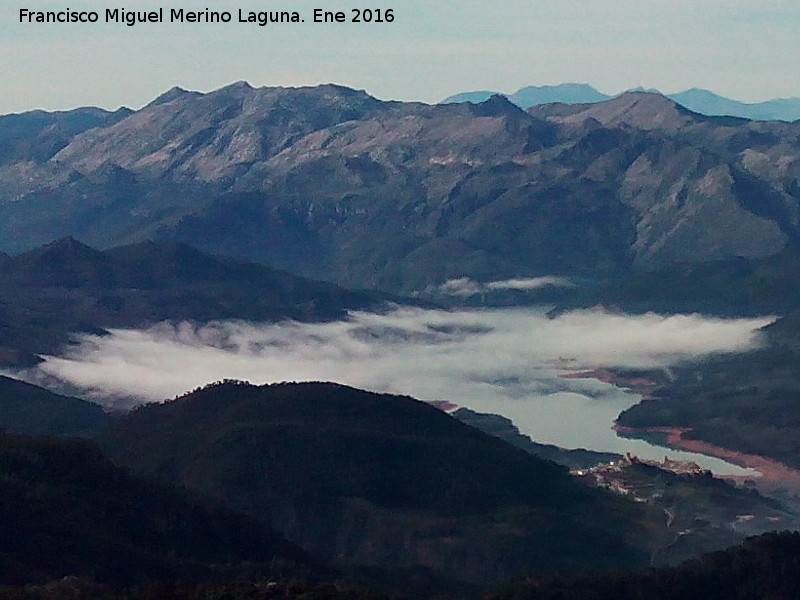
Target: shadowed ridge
[
  {"x": 66, "y": 262},
  {"x": 65, "y": 288},
  {"x": 37, "y": 135},
  {"x": 29, "y": 409},
  {"x": 68, "y": 511}
]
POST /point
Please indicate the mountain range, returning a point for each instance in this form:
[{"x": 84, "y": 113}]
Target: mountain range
[
  {"x": 698, "y": 100},
  {"x": 333, "y": 184}
]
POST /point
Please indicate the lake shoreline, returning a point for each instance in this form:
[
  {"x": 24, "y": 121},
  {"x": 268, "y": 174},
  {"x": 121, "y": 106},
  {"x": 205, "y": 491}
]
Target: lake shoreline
[{"x": 773, "y": 474}]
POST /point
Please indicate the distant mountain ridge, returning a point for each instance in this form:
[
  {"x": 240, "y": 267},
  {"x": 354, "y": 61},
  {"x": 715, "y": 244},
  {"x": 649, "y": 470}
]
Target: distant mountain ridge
[
  {"x": 39, "y": 134},
  {"x": 568, "y": 93},
  {"x": 66, "y": 287},
  {"x": 698, "y": 100}
]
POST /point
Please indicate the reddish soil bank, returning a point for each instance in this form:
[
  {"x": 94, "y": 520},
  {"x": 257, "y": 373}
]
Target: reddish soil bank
[
  {"x": 444, "y": 405},
  {"x": 639, "y": 384},
  {"x": 774, "y": 474}
]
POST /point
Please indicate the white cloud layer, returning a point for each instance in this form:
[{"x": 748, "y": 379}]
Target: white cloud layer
[
  {"x": 426, "y": 353},
  {"x": 465, "y": 287}
]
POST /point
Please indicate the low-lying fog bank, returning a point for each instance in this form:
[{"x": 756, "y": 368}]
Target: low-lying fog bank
[{"x": 506, "y": 361}]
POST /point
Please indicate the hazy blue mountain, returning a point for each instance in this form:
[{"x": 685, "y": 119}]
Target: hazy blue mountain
[
  {"x": 568, "y": 93},
  {"x": 709, "y": 103},
  {"x": 698, "y": 100}
]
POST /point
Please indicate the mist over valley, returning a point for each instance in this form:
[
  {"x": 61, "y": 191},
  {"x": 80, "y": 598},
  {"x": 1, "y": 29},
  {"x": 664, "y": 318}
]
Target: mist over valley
[{"x": 506, "y": 361}]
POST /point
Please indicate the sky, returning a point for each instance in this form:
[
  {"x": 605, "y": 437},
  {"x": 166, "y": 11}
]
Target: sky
[{"x": 434, "y": 48}]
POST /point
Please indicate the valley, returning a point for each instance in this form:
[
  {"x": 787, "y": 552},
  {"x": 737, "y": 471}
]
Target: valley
[{"x": 506, "y": 361}]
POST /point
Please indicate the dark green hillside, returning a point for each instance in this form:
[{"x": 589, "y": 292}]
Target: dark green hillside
[
  {"x": 762, "y": 568},
  {"x": 733, "y": 287},
  {"x": 26, "y": 408},
  {"x": 65, "y": 510},
  {"x": 379, "y": 480},
  {"x": 745, "y": 402},
  {"x": 74, "y": 588},
  {"x": 350, "y": 443}
]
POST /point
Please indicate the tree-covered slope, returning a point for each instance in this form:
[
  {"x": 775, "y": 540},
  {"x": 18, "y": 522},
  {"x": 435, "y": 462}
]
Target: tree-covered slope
[
  {"x": 744, "y": 402},
  {"x": 762, "y": 568},
  {"x": 378, "y": 480},
  {"x": 66, "y": 510}
]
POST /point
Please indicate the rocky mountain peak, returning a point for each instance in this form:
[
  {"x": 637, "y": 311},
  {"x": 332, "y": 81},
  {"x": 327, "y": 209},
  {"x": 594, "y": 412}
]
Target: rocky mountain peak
[
  {"x": 64, "y": 262},
  {"x": 641, "y": 110},
  {"x": 212, "y": 137},
  {"x": 496, "y": 106},
  {"x": 170, "y": 95}
]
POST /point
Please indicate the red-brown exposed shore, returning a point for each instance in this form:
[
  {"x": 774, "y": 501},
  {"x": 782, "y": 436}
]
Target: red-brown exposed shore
[
  {"x": 444, "y": 405},
  {"x": 642, "y": 385},
  {"x": 774, "y": 474}
]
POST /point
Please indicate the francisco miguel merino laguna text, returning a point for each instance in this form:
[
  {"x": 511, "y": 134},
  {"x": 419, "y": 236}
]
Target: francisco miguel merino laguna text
[
  {"x": 176, "y": 15},
  {"x": 180, "y": 15}
]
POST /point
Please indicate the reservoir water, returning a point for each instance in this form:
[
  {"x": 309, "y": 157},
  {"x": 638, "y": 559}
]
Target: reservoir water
[{"x": 574, "y": 420}]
